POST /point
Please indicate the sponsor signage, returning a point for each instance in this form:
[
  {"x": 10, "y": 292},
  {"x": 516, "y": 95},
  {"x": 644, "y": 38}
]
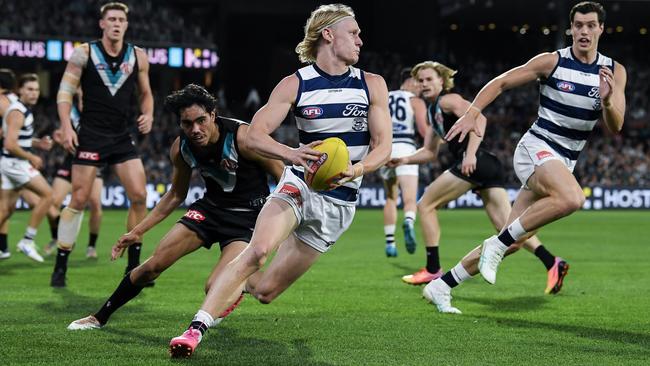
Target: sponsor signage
[
  {"x": 372, "y": 196},
  {"x": 56, "y": 50}
]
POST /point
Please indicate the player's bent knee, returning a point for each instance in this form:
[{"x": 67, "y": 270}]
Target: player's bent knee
[{"x": 265, "y": 297}]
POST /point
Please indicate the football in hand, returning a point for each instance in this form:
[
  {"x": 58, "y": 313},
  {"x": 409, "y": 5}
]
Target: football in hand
[{"x": 330, "y": 165}]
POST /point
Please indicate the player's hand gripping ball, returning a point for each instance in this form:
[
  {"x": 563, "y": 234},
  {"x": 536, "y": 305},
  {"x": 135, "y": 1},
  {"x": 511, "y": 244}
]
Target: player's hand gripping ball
[{"x": 328, "y": 168}]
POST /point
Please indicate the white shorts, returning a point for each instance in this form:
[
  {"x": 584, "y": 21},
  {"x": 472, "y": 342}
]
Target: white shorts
[
  {"x": 532, "y": 152},
  {"x": 399, "y": 150},
  {"x": 16, "y": 172},
  {"x": 321, "y": 219}
]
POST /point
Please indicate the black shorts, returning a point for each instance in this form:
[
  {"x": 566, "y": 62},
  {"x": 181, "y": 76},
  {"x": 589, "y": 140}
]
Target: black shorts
[
  {"x": 488, "y": 172},
  {"x": 95, "y": 149},
  {"x": 64, "y": 170},
  {"x": 214, "y": 224}
]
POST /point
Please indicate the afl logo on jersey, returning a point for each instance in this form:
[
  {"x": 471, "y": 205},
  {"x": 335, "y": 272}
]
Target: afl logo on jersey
[
  {"x": 101, "y": 66},
  {"x": 566, "y": 86},
  {"x": 311, "y": 112}
]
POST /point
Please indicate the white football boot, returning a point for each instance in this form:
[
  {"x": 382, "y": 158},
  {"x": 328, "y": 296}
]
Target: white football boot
[
  {"x": 492, "y": 252},
  {"x": 29, "y": 248},
  {"x": 438, "y": 293},
  {"x": 89, "y": 322}
]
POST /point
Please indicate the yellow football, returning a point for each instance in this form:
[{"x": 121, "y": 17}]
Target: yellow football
[{"x": 330, "y": 165}]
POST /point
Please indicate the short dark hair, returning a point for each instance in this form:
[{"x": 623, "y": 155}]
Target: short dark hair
[
  {"x": 586, "y": 7},
  {"x": 113, "y": 6},
  {"x": 188, "y": 96},
  {"x": 25, "y": 78},
  {"x": 404, "y": 75},
  {"x": 7, "y": 79}
]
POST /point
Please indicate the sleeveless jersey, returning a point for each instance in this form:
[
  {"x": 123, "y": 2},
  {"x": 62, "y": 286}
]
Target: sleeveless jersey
[
  {"x": 334, "y": 106},
  {"x": 26, "y": 132},
  {"x": 231, "y": 180},
  {"x": 108, "y": 84},
  {"x": 569, "y": 103},
  {"x": 441, "y": 123},
  {"x": 401, "y": 112}
]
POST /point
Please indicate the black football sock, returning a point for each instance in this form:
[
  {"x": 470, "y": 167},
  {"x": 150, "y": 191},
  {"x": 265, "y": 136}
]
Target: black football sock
[
  {"x": 3, "y": 243},
  {"x": 449, "y": 279},
  {"x": 433, "y": 260},
  {"x": 545, "y": 256},
  {"x": 54, "y": 227},
  {"x": 134, "y": 256},
  {"x": 61, "y": 260},
  {"x": 92, "y": 240},
  {"x": 124, "y": 292}
]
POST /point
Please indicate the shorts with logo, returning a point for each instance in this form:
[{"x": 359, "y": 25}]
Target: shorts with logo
[
  {"x": 64, "y": 170},
  {"x": 400, "y": 149},
  {"x": 16, "y": 172},
  {"x": 488, "y": 172},
  {"x": 215, "y": 224},
  {"x": 532, "y": 152},
  {"x": 321, "y": 219},
  {"x": 98, "y": 150}
]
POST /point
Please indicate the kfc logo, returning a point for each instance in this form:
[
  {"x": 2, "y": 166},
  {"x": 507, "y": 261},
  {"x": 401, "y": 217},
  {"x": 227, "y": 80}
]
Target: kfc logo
[
  {"x": 194, "y": 215},
  {"x": 63, "y": 172},
  {"x": 88, "y": 155},
  {"x": 543, "y": 154},
  {"x": 291, "y": 191}
]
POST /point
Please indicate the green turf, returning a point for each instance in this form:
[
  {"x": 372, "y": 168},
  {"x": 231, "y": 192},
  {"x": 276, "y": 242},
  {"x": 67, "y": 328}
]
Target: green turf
[{"x": 351, "y": 307}]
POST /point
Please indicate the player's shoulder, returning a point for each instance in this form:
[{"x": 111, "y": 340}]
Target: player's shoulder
[
  {"x": 16, "y": 105},
  {"x": 376, "y": 84}
]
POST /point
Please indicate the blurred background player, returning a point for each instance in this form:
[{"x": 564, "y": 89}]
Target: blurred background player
[
  {"x": 62, "y": 185},
  {"x": 408, "y": 113},
  {"x": 473, "y": 168},
  {"x": 20, "y": 167},
  {"x": 578, "y": 86},
  {"x": 107, "y": 71},
  {"x": 236, "y": 186},
  {"x": 7, "y": 96}
]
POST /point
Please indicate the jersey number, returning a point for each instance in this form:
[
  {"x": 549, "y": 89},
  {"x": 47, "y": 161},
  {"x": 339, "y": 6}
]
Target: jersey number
[{"x": 397, "y": 109}]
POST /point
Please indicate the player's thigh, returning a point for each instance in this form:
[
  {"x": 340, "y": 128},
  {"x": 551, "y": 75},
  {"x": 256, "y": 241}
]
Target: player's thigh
[
  {"x": 497, "y": 205},
  {"x": 178, "y": 242},
  {"x": 553, "y": 177},
  {"x": 443, "y": 189},
  {"x": 131, "y": 175},
  {"x": 9, "y": 197},
  {"x": 408, "y": 184},
  {"x": 30, "y": 197},
  {"x": 82, "y": 177},
  {"x": 60, "y": 188},
  {"x": 39, "y": 185},
  {"x": 390, "y": 188},
  {"x": 291, "y": 261},
  {"x": 274, "y": 224},
  {"x": 228, "y": 253}
]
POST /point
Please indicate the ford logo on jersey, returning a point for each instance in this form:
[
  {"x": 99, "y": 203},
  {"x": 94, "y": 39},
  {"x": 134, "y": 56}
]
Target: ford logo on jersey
[
  {"x": 311, "y": 112},
  {"x": 398, "y": 127},
  {"x": 566, "y": 86}
]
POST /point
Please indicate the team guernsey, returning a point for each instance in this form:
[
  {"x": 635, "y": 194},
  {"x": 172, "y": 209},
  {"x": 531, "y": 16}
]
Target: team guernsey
[
  {"x": 334, "y": 106},
  {"x": 26, "y": 132},
  {"x": 108, "y": 84},
  {"x": 401, "y": 112},
  {"x": 231, "y": 181},
  {"x": 441, "y": 122},
  {"x": 569, "y": 104}
]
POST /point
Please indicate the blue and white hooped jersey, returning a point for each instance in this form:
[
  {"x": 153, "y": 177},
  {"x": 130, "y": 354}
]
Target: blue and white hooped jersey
[
  {"x": 334, "y": 106},
  {"x": 569, "y": 105},
  {"x": 401, "y": 112},
  {"x": 26, "y": 132}
]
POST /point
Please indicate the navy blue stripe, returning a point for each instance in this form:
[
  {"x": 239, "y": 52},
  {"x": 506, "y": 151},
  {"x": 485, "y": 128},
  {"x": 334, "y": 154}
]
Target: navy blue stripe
[
  {"x": 342, "y": 193},
  {"x": 574, "y": 64},
  {"x": 25, "y": 137},
  {"x": 567, "y": 153},
  {"x": 350, "y": 138},
  {"x": 323, "y": 83},
  {"x": 365, "y": 85},
  {"x": 334, "y": 110},
  {"x": 578, "y": 89},
  {"x": 300, "y": 88},
  {"x": 569, "y": 111},
  {"x": 403, "y": 135},
  {"x": 562, "y": 131}
]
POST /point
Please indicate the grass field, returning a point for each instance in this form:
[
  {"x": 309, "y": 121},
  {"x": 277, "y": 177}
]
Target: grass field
[{"x": 351, "y": 307}]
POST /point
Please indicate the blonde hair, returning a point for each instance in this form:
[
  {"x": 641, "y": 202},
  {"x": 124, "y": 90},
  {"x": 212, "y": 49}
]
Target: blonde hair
[
  {"x": 445, "y": 72},
  {"x": 113, "y": 6},
  {"x": 323, "y": 17}
]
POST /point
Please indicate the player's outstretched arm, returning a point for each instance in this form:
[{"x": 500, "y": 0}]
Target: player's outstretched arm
[
  {"x": 145, "y": 120},
  {"x": 420, "y": 113},
  {"x": 612, "y": 94},
  {"x": 457, "y": 105},
  {"x": 269, "y": 118},
  {"x": 274, "y": 167},
  {"x": 539, "y": 66},
  {"x": 425, "y": 154},
  {"x": 67, "y": 89},
  {"x": 181, "y": 175}
]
